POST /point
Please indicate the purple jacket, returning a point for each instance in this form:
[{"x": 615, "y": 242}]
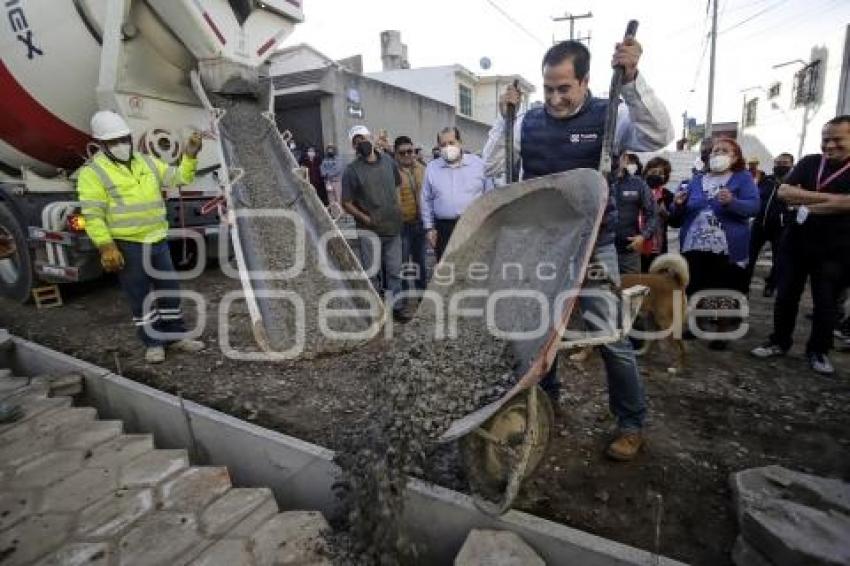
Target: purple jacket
[{"x": 734, "y": 217}]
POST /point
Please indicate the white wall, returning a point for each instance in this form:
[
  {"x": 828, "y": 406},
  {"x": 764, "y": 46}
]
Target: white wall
[
  {"x": 438, "y": 83},
  {"x": 779, "y": 126}
]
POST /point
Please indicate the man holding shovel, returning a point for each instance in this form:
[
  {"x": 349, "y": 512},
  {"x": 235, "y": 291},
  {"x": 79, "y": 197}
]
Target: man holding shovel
[{"x": 567, "y": 133}]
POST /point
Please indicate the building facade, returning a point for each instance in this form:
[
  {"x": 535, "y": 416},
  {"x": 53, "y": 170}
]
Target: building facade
[{"x": 785, "y": 113}]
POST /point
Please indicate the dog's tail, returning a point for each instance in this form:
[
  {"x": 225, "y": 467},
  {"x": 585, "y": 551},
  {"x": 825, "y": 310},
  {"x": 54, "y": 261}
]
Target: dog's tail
[{"x": 672, "y": 265}]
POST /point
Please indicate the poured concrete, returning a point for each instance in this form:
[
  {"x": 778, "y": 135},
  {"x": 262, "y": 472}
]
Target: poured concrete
[{"x": 301, "y": 474}]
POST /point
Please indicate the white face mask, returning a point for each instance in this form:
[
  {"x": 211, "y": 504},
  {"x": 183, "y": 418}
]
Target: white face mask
[
  {"x": 719, "y": 163},
  {"x": 450, "y": 153},
  {"x": 121, "y": 151},
  {"x": 631, "y": 168}
]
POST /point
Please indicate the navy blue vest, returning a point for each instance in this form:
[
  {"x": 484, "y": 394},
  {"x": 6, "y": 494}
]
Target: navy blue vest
[{"x": 551, "y": 145}]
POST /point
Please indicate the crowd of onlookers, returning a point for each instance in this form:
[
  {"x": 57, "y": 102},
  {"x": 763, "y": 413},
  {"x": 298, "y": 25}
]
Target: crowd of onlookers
[{"x": 725, "y": 213}]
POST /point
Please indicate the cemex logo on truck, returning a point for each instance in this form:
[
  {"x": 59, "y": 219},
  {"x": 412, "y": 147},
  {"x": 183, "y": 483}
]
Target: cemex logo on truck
[{"x": 18, "y": 21}]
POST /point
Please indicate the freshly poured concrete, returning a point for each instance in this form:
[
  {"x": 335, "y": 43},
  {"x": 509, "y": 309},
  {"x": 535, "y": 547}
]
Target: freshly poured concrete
[{"x": 301, "y": 474}]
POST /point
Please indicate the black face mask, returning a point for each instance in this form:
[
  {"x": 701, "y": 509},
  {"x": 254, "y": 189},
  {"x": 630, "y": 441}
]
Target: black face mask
[
  {"x": 779, "y": 171},
  {"x": 654, "y": 181},
  {"x": 364, "y": 148},
  {"x": 331, "y": 154}
]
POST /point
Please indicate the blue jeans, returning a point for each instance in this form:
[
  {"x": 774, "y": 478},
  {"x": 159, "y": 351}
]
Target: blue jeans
[
  {"x": 164, "y": 314},
  {"x": 415, "y": 270},
  {"x": 625, "y": 388},
  {"x": 389, "y": 268}
]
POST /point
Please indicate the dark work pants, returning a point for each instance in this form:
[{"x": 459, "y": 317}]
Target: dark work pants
[
  {"x": 760, "y": 236},
  {"x": 444, "y": 227},
  {"x": 164, "y": 314}
]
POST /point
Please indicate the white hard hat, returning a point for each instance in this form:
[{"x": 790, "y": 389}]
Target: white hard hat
[
  {"x": 358, "y": 130},
  {"x": 108, "y": 125}
]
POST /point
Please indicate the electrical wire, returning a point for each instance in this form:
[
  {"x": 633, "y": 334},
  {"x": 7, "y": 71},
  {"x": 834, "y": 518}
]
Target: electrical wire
[
  {"x": 753, "y": 16},
  {"x": 516, "y": 23}
]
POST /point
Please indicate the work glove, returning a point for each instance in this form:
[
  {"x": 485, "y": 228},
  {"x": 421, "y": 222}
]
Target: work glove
[
  {"x": 193, "y": 145},
  {"x": 7, "y": 246},
  {"x": 111, "y": 258}
]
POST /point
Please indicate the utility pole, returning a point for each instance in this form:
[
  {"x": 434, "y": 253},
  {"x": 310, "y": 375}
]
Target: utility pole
[
  {"x": 708, "y": 114},
  {"x": 572, "y": 18}
]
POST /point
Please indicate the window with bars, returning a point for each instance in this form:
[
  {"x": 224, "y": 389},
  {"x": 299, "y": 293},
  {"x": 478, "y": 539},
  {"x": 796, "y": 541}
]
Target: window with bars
[
  {"x": 750, "y": 110},
  {"x": 464, "y": 100},
  {"x": 806, "y": 84},
  {"x": 774, "y": 90}
]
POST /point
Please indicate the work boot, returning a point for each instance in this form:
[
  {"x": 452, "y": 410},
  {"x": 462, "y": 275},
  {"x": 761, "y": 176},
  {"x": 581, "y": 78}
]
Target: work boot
[
  {"x": 155, "y": 355},
  {"x": 625, "y": 447},
  {"x": 186, "y": 345}
]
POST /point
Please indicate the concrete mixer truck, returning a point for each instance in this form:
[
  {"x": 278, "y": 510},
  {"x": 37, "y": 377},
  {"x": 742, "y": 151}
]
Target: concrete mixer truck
[{"x": 62, "y": 60}]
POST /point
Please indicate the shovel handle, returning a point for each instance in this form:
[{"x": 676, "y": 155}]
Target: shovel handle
[
  {"x": 606, "y": 160},
  {"x": 510, "y": 120}
]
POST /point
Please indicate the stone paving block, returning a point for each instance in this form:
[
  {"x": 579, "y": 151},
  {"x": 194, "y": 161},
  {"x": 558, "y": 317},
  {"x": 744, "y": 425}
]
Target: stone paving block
[
  {"x": 153, "y": 467},
  {"x": 788, "y": 534},
  {"x": 250, "y": 524},
  {"x": 496, "y": 548},
  {"x": 227, "y": 552},
  {"x": 66, "y": 385},
  {"x": 80, "y": 489},
  {"x": 119, "y": 451},
  {"x": 9, "y": 383},
  {"x": 14, "y": 506},
  {"x": 114, "y": 512},
  {"x": 20, "y": 452},
  {"x": 46, "y": 469},
  {"x": 97, "y": 433},
  {"x": 33, "y": 538},
  {"x": 159, "y": 539},
  {"x": 80, "y": 554},
  {"x": 32, "y": 408},
  {"x": 195, "y": 488},
  {"x": 292, "y": 537},
  {"x": 48, "y": 423},
  {"x": 233, "y": 507}
]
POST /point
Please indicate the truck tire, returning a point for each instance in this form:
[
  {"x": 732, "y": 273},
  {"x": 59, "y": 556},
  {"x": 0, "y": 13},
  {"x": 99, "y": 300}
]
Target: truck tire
[{"x": 16, "y": 271}]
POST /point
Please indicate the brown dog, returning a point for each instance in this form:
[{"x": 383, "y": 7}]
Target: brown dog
[{"x": 666, "y": 305}]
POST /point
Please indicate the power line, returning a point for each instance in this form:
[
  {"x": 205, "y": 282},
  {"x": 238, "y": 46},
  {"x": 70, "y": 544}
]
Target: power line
[
  {"x": 516, "y": 23},
  {"x": 753, "y": 16}
]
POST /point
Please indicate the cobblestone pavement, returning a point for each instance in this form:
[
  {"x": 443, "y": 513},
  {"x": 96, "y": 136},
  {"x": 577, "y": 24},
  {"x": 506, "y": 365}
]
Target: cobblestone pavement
[{"x": 77, "y": 490}]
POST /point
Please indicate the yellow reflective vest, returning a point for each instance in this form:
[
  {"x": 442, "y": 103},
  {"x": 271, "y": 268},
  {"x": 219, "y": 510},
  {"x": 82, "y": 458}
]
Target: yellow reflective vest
[{"x": 125, "y": 203}]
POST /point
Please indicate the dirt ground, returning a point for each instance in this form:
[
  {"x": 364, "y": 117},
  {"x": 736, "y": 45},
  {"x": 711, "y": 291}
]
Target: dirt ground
[{"x": 725, "y": 412}]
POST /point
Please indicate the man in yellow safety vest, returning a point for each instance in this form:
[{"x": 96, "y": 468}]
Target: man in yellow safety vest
[{"x": 121, "y": 199}]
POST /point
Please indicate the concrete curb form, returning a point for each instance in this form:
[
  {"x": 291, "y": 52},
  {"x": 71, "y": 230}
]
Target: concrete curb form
[{"x": 301, "y": 474}]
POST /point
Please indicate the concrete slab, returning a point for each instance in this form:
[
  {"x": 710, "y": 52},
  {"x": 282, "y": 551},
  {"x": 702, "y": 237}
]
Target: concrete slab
[
  {"x": 46, "y": 469},
  {"x": 496, "y": 548},
  {"x": 48, "y": 423},
  {"x": 194, "y": 489},
  {"x": 234, "y": 506},
  {"x": 119, "y": 451},
  {"x": 96, "y": 433},
  {"x": 159, "y": 539},
  {"x": 292, "y": 537},
  {"x": 14, "y": 506},
  {"x": 79, "y": 489},
  {"x": 32, "y": 538},
  {"x": 228, "y": 552},
  {"x": 80, "y": 554},
  {"x": 113, "y": 513},
  {"x": 153, "y": 467}
]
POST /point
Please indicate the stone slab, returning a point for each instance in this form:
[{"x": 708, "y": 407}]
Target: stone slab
[
  {"x": 80, "y": 489},
  {"x": 234, "y": 506},
  {"x": 292, "y": 537},
  {"x": 496, "y": 548},
  {"x": 32, "y": 538},
  {"x": 159, "y": 539},
  {"x": 80, "y": 554},
  {"x": 153, "y": 467},
  {"x": 195, "y": 488},
  {"x": 113, "y": 513}
]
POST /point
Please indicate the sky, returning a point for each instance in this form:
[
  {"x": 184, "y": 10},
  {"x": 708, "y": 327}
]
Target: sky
[{"x": 514, "y": 34}]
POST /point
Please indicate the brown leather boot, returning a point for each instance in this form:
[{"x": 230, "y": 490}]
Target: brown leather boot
[{"x": 625, "y": 447}]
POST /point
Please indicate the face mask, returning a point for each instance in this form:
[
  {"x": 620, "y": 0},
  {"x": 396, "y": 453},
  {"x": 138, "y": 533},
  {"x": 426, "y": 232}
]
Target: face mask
[
  {"x": 450, "y": 153},
  {"x": 331, "y": 153},
  {"x": 121, "y": 151},
  {"x": 779, "y": 171},
  {"x": 699, "y": 164},
  {"x": 311, "y": 154},
  {"x": 654, "y": 180},
  {"x": 719, "y": 163},
  {"x": 364, "y": 148},
  {"x": 631, "y": 168}
]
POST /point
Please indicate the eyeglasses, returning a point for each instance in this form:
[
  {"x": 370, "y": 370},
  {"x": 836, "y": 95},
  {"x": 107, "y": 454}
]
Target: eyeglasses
[{"x": 405, "y": 152}]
